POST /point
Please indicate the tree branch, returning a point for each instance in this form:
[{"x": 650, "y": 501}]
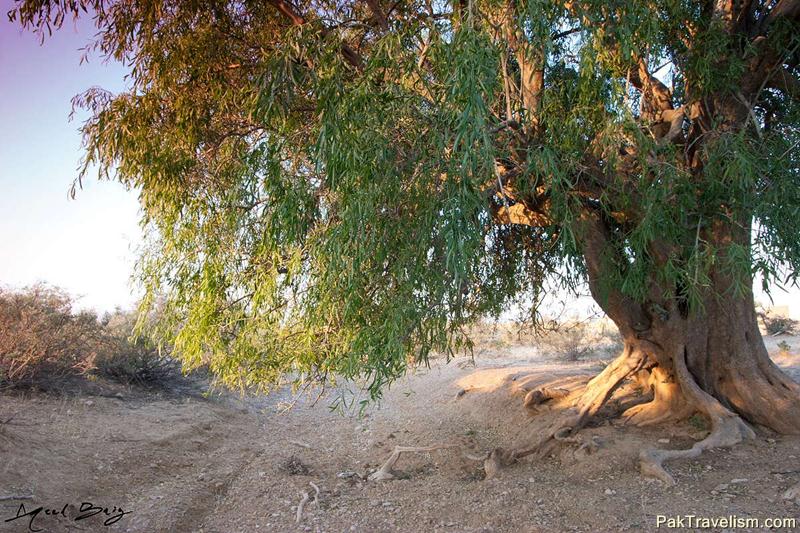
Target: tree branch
[{"x": 287, "y": 10}]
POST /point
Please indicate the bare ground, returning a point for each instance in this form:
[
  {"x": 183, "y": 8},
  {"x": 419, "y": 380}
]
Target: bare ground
[{"x": 187, "y": 463}]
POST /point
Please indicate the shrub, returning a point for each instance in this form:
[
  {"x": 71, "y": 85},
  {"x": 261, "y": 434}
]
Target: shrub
[
  {"x": 43, "y": 337},
  {"x": 575, "y": 340},
  {"x": 40, "y": 333},
  {"x": 784, "y": 348},
  {"x": 777, "y": 324},
  {"x": 134, "y": 358}
]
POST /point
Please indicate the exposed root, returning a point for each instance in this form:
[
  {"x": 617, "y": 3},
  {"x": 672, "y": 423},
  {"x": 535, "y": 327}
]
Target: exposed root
[
  {"x": 668, "y": 402},
  {"x": 539, "y": 396},
  {"x": 385, "y": 472},
  {"x": 497, "y": 460},
  {"x": 304, "y": 500},
  {"x": 727, "y": 428},
  {"x": 602, "y": 386},
  {"x": 301, "y": 506}
]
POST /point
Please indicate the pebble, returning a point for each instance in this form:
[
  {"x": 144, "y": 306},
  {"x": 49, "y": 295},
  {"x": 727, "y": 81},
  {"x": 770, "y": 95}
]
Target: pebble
[
  {"x": 792, "y": 493},
  {"x": 740, "y": 480},
  {"x": 609, "y": 492},
  {"x": 663, "y": 441}
]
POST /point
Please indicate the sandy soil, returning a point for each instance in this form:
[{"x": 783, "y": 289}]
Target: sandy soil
[{"x": 224, "y": 464}]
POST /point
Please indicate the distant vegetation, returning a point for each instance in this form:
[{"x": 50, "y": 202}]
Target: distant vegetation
[
  {"x": 43, "y": 338},
  {"x": 775, "y": 324}
]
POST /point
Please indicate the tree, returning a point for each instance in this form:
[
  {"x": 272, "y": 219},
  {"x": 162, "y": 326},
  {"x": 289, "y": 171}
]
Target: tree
[{"x": 336, "y": 188}]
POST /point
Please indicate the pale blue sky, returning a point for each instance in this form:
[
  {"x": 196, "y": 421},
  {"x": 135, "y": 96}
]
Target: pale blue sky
[{"x": 85, "y": 245}]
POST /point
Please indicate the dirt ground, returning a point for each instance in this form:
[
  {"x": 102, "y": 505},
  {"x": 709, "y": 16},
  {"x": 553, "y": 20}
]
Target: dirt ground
[{"x": 224, "y": 464}]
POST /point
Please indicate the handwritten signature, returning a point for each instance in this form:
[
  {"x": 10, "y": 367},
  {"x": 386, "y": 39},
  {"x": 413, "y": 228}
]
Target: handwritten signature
[{"x": 85, "y": 510}]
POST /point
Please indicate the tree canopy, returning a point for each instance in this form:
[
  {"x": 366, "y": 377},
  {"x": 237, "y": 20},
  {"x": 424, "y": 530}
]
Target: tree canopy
[{"x": 336, "y": 188}]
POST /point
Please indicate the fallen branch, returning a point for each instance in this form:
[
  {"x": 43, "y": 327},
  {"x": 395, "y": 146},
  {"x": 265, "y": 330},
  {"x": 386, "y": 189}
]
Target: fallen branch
[
  {"x": 316, "y": 493},
  {"x": 304, "y": 501}
]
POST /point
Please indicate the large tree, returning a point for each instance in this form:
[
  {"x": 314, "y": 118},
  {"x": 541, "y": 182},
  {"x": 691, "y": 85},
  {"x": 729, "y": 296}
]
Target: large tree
[{"x": 335, "y": 188}]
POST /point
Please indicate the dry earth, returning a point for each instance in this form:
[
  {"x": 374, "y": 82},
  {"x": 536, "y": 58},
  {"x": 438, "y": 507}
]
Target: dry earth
[{"x": 225, "y": 464}]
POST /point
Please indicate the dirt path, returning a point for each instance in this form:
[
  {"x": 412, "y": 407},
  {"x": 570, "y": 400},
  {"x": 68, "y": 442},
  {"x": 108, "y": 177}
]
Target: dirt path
[{"x": 227, "y": 465}]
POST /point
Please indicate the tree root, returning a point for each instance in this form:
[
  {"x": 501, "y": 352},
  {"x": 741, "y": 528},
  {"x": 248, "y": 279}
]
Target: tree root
[
  {"x": 539, "y": 396},
  {"x": 304, "y": 500},
  {"x": 601, "y": 387},
  {"x": 301, "y": 506},
  {"x": 668, "y": 402},
  {"x": 672, "y": 399},
  {"x": 727, "y": 428},
  {"x": 385, "y": 472},
  {"x": 564, "y": 431}
]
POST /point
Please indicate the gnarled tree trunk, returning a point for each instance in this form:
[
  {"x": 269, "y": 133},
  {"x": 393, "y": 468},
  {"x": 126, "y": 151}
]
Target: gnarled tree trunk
[{"x": 720, "y": 343}]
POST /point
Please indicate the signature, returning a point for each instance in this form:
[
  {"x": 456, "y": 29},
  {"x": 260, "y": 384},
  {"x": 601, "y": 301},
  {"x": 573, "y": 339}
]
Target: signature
[{"x": 86, "y": 510}]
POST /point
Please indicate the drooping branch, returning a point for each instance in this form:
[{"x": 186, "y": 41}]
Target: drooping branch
[{"x": 286, "y": 9}]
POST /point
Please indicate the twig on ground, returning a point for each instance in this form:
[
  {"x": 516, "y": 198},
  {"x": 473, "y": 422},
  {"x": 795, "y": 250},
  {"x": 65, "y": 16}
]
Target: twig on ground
[
  {"x": 300, "y": 507},
  {"x": 316, "y": 493},
  {"x": 301, "y": 444}
]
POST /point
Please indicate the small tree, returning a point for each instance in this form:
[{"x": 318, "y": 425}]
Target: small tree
[{"x": 337, "y": 188}]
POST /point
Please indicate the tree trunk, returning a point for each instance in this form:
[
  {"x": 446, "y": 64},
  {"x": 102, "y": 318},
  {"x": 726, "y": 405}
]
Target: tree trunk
[
  {"x": 726, "y": 357},
  {"x": 720, "y": 345}
]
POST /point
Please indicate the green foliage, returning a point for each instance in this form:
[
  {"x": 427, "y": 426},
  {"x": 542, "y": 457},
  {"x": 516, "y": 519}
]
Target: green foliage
[{"x": 316, "y": 216}]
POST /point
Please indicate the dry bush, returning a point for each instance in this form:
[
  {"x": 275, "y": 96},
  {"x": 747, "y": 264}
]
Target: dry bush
[
  {"x": 42, "y": 339},
  {"x": 575, "y": 340},
  {"x": 777, "y": 324},
  {"x": 40, "y": 334},
  {"x": 134, "y": 359}
]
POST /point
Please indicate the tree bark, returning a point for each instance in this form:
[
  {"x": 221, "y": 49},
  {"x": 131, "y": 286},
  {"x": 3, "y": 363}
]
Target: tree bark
[
  {"x": 721, "y": 343},
  {"x": 726, "y": 357}
]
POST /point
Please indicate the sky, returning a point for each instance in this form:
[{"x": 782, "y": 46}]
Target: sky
[{"x": 87, "y": 245}]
